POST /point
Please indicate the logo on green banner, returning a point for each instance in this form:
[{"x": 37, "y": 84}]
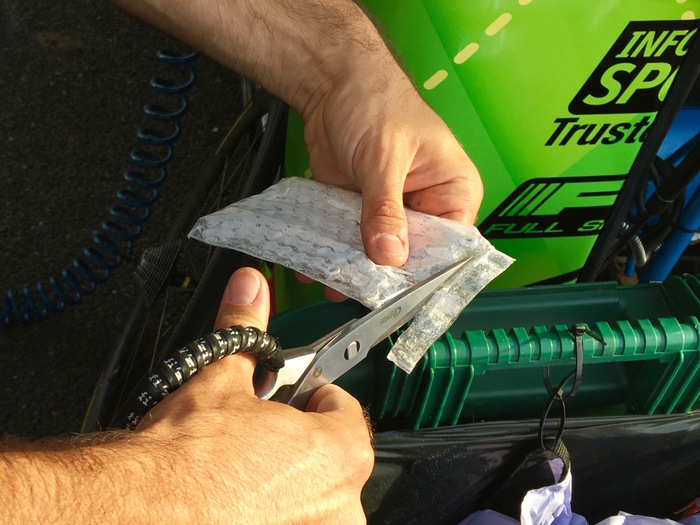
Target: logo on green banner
[{"x": 633, "y": 77}]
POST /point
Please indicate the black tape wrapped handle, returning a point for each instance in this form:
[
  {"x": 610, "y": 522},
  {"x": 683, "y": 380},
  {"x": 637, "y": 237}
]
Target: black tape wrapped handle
[{"x": 182, "y": 364}]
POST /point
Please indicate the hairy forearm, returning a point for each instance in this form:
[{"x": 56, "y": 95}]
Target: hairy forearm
[
  {"x": 85, "y": 479},
  {"x": 115, "y": 477},
  {"x": 146, "y": 476},
  {"x": 289, "y": 46}
]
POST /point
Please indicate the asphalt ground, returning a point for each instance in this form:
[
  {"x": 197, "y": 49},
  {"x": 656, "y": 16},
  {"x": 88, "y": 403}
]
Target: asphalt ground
[{"x": 73, "y": 79}]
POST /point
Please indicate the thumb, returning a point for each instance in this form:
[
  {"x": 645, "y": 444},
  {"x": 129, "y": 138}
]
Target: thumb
[
  {"x": 383, "y": 226},
  {"x": 245, "y": 302}
]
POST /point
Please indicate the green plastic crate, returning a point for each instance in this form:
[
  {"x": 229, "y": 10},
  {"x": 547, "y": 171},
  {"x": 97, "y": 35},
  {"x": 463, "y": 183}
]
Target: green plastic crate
[{"x": 488, "y": 366}]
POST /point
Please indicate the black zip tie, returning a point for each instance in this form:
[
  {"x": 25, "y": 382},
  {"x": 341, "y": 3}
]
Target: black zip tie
[
  {"x": 557, "y": 396},
  {"x": 577, "y": 332}
]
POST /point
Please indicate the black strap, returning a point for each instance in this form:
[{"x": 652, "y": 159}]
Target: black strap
[
  {"x": 558, "y": 398},
  {"x": 534, "y": 472}
]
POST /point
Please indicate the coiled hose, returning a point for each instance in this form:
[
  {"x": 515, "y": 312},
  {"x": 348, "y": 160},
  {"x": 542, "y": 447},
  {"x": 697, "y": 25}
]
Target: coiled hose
[{"x": 127, "y": 216}]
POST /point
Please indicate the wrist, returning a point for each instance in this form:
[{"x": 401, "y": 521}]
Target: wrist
[
  {"x": 296, "y": 49},
  {"x": 313, "y": 46}
]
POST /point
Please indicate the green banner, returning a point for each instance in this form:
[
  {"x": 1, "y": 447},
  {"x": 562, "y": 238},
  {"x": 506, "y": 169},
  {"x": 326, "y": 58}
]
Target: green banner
[{"x": 551, "y": 100}]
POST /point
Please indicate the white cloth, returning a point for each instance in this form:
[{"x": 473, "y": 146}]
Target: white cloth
[{"x": 551, "y": 505}]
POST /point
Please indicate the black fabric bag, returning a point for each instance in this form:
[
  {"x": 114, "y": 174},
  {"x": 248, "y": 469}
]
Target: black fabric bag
[{"x": 647, "y": 465}]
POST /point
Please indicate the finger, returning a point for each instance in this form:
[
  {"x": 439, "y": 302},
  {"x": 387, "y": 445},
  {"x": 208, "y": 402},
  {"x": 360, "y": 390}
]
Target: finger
[
  {"x": 335, "y": 402},
  {"x": 380, "y": 166},
  {"x": 458, "y": 216},
  {"x": 443, "y": 180},
  {"x": 334, "y": 295},
  {"x": 331, "y": 401},
  {"x": 449, "y": 197},
  {"x": 245, "y": 302},
  {"x": 303, "y": 278}
]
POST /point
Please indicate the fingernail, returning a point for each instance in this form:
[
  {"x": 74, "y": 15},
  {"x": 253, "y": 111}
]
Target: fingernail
[
  {"x": 388, "y": 244},
  {"x": 242, "y": 288}
]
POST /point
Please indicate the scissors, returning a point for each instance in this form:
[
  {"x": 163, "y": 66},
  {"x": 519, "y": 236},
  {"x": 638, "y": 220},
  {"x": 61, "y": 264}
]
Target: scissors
[
  {"x": 298, "y": 372},
  {"x": 308, "y": 367}
]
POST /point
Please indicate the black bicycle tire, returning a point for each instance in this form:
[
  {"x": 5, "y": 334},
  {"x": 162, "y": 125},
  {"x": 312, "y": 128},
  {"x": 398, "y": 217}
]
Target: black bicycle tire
[
  {"x": 202, "y": 308},
  {"x": 102, "y": 408}
]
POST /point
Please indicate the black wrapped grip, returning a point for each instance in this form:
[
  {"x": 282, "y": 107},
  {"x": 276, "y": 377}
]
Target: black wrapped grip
[{"x": 183, "y": 363}]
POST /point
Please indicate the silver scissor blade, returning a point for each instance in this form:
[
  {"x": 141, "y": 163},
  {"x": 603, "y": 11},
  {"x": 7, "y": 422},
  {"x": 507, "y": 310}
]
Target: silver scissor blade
[
  {"x": 296, "y": 362},
  {"x": 377, "y": 325},
  {"x": 354, "y": 343}
]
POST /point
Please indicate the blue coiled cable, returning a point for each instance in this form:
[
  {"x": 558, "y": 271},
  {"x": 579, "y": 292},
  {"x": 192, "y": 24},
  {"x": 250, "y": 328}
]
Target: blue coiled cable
[{"x": 126, "y": 217}]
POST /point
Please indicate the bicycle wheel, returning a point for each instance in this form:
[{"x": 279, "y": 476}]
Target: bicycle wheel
[{"x": 180, "y": 280}]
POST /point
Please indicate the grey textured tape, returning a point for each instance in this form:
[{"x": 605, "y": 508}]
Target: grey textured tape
[
  {"x": 444, "y": 307},
  {"x": 315, "y": 229}
]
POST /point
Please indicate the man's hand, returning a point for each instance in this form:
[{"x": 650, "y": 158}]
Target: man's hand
[
  {"x": 264, "y": 461},
  {"x": 366, "y": 126},
  {"x": 368, "y": 129},
  {"x": 211, "y": 452}
]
